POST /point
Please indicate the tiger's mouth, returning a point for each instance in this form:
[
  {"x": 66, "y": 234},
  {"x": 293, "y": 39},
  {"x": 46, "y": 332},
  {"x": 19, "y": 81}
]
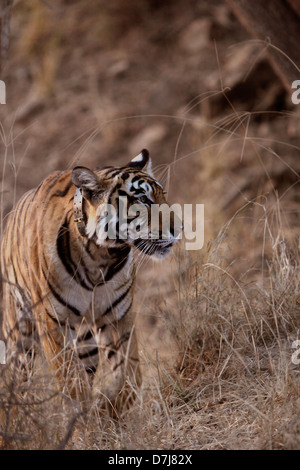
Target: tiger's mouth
[{"x": 155, "y": 248}]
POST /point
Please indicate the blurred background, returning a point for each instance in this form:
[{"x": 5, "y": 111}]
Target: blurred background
[{"x": 95, "y": 83}]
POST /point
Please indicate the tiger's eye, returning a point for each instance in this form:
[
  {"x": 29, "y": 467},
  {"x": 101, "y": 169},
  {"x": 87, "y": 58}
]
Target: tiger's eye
[{"x": 143, "y": 199}]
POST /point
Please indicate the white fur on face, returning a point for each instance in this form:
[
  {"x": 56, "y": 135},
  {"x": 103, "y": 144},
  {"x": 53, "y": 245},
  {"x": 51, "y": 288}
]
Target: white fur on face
[{"x": 90, "y": 228}]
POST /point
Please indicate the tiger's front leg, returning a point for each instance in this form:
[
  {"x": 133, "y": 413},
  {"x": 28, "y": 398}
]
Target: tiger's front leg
[
  {"x": 118, "y": 375},
  {"x": 60, "y": 354}
]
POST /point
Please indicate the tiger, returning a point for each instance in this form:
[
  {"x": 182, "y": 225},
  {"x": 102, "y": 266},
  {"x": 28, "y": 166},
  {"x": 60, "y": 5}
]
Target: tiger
[{"x": 69, "y": 288}]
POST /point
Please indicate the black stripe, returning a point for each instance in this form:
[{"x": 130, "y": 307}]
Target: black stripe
[
  {"x": 91, "y": 353},
  {"x": 53, "y": 180},
  {"x": 122, "y": 285},
  {"x": 23, "y": 254},
  {"x": 87, "y": 247},
  {"x": 130, "y": 199},
  {"x": 37, "y": 190},
  {"x": 125, "y": 175},
  {"x": 15, "y": 235},
  {"x": 122, "y": 360},
  {"x": 113, "y": 172},
  {"x": 119, "y": 343},
  {"x": 4, "y": 266},
  {"x": 106, "y": 167},
  {"x": 111, "y": 353},
  {"x": 126, "y": 311},
  {"x": 63, "y": 192},
  {"x": 86, "y": 272},
  {"x": 118, "y": 365},
  {"x": 117, "y": 186},
  {"x": 117, "y": 301},
  {"x": 110, "y": 170},
  {"x": 16, "y": 218},
  {"x": 135, "y": 178},
  {"x": 115, "y": 268},
  {"x": 26, "y": 210},
  {"x": 121, "y": 254},
  {"x": 26, "y": 333},
  {"x": 60, "y": 299},
  {"x": 63, "y": 247},
  {"x": 15, "y": 265},
  {"x": 88, "y": 335},
  {"x": 61, "y": 323},
  {"x": 124, "y": 337}
]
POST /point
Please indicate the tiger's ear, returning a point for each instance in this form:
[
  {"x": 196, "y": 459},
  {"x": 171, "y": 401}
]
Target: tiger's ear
[
  {"x": 142, "y": 162},
  {"x": 87, "y": 181}
]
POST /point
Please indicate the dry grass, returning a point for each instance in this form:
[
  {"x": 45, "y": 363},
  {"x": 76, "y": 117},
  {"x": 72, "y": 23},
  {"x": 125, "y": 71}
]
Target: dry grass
[
  {"x": 232, "y": 384},
  {"x": 235, "y": 374}
]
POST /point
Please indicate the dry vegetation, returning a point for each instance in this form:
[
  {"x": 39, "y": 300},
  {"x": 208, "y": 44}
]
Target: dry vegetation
[{"x": 215, "y": 327}]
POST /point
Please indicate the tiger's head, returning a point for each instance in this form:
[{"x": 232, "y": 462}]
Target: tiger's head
[{"x": 126, "y": 205}]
